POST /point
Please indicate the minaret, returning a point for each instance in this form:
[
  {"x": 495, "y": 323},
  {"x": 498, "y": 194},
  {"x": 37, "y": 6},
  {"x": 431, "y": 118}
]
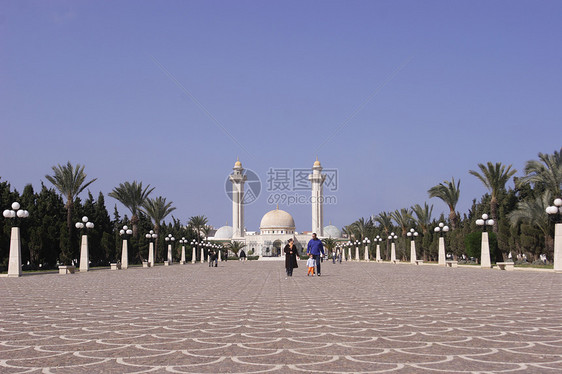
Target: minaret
[
  {"x": 237, "y": 178},
  {"x": 317, "y": 179}
]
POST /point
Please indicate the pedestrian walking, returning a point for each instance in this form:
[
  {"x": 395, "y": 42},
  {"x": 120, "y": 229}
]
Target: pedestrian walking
[
  {"x": 291, "y": 254},
  {"x": 242, "y": 255},
  {"x": 310, "y": 264},
  {"x": 316, "y": 249}
]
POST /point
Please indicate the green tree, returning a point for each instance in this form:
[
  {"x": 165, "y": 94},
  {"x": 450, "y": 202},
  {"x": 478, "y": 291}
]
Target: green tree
[
  {"x": 70, "y": 181},
  {"x": 423, "y": 221},
  {"x": 133, "y": 197},
  {"x": 198, "y": 224},
  {"x": 545, "y": 172},
  {"x": 157, "y": 209},
  {"x": 361, "y": 228},
  {"x": 449, "y": 193},
  {"x": 234, "y": 246},
  {"x": 494, "y": 177},
  {"x": 329, "y": 244},
  {"x": 532, "y": 212}
]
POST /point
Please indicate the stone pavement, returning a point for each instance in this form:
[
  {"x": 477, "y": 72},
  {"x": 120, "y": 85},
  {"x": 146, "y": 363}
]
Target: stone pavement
[{"x": 247, "y": 318}]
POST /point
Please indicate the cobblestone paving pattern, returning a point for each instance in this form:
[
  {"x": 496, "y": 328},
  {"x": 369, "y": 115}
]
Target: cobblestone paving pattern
[{"x": 248, "y": 318}]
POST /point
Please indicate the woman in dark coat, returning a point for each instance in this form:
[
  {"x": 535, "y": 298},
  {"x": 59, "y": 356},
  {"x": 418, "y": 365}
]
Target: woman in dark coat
[{"x": 291, "y": 254}]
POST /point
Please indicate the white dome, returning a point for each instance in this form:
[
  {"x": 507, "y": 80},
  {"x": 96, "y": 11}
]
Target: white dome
[
  {"x": 332, "y": 231},
  {"x": 224, "y": 232},
  {"x": 277, "y": 219}
]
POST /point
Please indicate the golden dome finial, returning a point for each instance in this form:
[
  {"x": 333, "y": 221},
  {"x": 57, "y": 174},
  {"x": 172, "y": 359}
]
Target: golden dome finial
[
  {"x": 317, "y": 163},
  {"x": 237, "y": 164}
]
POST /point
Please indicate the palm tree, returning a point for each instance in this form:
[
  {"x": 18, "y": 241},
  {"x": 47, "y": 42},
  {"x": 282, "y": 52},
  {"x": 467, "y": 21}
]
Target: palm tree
[
  {"x": 234, "y": 247},
  {"x": 361, "y": 228},
  {"x": 329, "y": 244},
  {"x": 547, "y": 174},
  {"x": 132, "y": 196},
  {"x": 403, "y": 218},
  {"x": 494, "y": 177},
  {"x": 157, "y": 209},
  {"x": 350, "y": 231},
  {"x": 385, "y": 221},
  {"x": 70, "y": 181},
  {"x": 198, "y": 224},
  {"x": 423, "y": 216},
  {"x": 449, "y": 193},
  {"x": 532, "y": 211}
]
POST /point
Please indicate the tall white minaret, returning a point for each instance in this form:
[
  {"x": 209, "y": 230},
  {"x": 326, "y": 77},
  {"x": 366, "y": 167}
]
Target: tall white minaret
[
  {"x": 317, "y": 179},
  {"x": 237, "y": 178}
]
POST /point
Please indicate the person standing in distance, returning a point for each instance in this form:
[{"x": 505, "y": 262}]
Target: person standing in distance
[{"x": 316, "y": 249}]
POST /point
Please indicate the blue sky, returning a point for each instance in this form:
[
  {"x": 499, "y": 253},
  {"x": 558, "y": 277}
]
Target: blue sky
[{"x": 396, "y": 95}]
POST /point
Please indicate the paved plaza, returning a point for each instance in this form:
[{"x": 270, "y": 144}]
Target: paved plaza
[{"x": 248, "y": 318}]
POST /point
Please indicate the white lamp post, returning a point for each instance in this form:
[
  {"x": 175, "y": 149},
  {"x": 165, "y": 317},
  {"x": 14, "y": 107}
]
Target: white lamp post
[
  {"x": 14, "y": 261},
  {"x": 441, "y": 229},
  {"x": 392, "y": 237},
  {"x": 151, "y": 236},
  {"x": 203, "y": 244},
  {"x": 194, "y": 251},
  {"x": 125, "y": 233},
  {"x": 183, "y": 242},
  {"x": 218, "y": 247},
  {"x": 412, "y": 234},
  {"x": 349, "y": 245},
  {"x": 170, "y": 240},
  {"x": 366, "y": 242},
  {"x": 357, "y": 243},
  {"x": 378, "y": 240},
  {"x": 84, "y": 253},
  {"x": 485, "y": 260},
  {"x": 555, "y": 212}
]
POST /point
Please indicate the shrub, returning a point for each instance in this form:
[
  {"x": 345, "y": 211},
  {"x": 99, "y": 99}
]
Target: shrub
[{"x": 473, "y": 244}]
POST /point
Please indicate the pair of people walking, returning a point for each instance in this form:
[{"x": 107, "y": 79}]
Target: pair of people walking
[{"x": 314, "y": 249}]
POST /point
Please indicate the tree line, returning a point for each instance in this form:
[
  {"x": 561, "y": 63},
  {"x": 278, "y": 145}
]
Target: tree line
[
  {"x": 521, "y": 225},
  {"x": 49, "y": 236}
]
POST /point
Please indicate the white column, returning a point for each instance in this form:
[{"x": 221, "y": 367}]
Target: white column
[
  {"x": 379, "y": 253},
  {"x": 558, "y": 247},
  {"x": 366, "y": 252},
  {"x": 202, "y": 255},
  {"x": 237, "y": 178},
  {"x": 485, "y": 261},
  {"x": 392, "y": 251},
  {"x": 316, "y": 180},
  {"x": 349, "y": 253},
  {"x": 182, "y": 261},
  {"x": 413, "y": 257},
  {"x": 151, "y": 254},
  {"x": 441, "y": 251},
  {"x": 235, "y": 209},
  {"x": 356, "y": 253},
  {"x": 220, "y": 255},
  {"x": 170, "y": 254},
  {"x": 343, "y": 254},
  {"x": 14, "y": 262},
  {"x": 84, "y": 255},
  {"x": 194, "y": 255},
  {"x": 125, "y": 255}
]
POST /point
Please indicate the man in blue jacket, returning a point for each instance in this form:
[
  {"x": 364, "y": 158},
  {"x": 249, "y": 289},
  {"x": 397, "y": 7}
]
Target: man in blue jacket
[{"x": 315, "y": 248}]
